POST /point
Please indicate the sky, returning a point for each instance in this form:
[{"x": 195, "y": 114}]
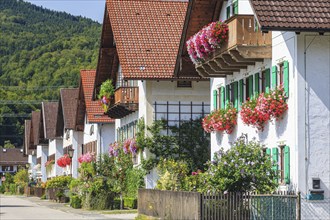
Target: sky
[{"x": 93, "y": 9}]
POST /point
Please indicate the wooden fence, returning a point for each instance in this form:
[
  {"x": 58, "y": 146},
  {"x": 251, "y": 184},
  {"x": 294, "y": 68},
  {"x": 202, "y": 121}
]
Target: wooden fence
[{"x": 220, "y": 206}]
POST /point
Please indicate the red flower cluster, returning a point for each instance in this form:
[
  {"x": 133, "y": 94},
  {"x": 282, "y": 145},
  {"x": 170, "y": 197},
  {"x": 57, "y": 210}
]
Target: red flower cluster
[
  {"x": 267, "y": 106},
  {"x": 64, "y": 161},
  {"x": 221, "y": 120}
]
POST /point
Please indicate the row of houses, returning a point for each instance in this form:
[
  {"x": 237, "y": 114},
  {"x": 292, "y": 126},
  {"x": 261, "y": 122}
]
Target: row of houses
[{"x": 143, "y": 51}]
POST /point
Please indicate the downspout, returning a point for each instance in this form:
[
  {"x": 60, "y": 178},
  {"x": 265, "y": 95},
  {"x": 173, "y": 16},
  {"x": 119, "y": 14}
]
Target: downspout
[{"x": 306, "y": 117}]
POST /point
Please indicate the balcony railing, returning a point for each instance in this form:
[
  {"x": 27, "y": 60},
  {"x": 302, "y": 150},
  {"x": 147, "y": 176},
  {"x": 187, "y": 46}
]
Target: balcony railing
[
  {"x": 125, "y": 102},
  {"x": 246, "y": 45}
]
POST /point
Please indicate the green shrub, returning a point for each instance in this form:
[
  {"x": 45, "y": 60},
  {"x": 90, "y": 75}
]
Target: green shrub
[
  {"x": 2, "y": 189},
  {"x": 43, "y": 196},
  {"x": 12, "y": 188},
  {"x": 59, "y": 182},
  {"x": 133, "y": 181},
  {"x": 21, "y": 178},
  {"x": 75, "y": 202},
  {"x": 130, "y": 203},
  {"x": 115, "y": 204}
]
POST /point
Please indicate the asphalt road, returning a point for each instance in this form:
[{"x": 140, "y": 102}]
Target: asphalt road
[{"x": 19, "y": 207}]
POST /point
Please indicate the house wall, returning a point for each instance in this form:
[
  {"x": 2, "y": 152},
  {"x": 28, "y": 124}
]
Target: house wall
[
  {"x": 77, "y": 141},
  {"x": 244, "y": 7},
  {"x": 88, "y": 136},
  {"x": 106, "y": 136},
  {"x": 275, "y": 133},
  {"x": 58, "y": 142},
  {"x": 44, "y": 154},
  {"x": 313, "y": 124},
  {"x": 32, "y": 160}
]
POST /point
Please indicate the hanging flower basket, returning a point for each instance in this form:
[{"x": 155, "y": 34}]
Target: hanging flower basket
[
  {"x": 106, "y": 92},
  {"x": 64, "y": 161},
  {"x": 203, "y": 43},
  {"x": 221, "y": 120},
  {"x": 256, "y": 112},
  {"x": 114, "y": 149}
]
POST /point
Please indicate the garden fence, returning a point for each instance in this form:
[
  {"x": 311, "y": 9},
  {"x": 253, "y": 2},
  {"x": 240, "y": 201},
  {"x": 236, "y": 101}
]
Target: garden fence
[{"x": 219, "y": 206}]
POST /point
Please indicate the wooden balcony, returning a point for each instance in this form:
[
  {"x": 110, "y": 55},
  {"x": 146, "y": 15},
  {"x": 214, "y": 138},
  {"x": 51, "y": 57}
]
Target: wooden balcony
[
  {"x": 246, "y": 45},
  {"x": 125, "y": 102}
]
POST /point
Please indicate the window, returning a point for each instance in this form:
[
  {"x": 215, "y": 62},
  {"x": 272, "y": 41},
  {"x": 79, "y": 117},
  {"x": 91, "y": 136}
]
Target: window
[
  {"x": 184, "y": 84},
  {"x": 232, "y": 9},
  {"x": 222, "y": 103},
  {"x": 280, "y": 75},
  {"x": 7, "y": 168},
  {"x": 265, "y": 81},
  {"x": 248, "y": 87},
  {"x": 281, "y": 162}
]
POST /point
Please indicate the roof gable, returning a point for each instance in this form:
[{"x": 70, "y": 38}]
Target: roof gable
[
  {"x": 28, "y": 139},
  {"x": 49, "y": 115},
  {"x": 95, "y": 113},
  {"x": 69, "y": 104},
  {"x": 293, "y": 15},
  {"x": 37, "y": 127},
  {"x": 148, "y": 35}
]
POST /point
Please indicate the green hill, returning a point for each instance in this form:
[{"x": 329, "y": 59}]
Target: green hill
[{"x": 40, "y": 51}]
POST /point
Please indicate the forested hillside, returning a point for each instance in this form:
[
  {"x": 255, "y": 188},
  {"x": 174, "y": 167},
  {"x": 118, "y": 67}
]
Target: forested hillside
[{"x": 40, "y": 51}]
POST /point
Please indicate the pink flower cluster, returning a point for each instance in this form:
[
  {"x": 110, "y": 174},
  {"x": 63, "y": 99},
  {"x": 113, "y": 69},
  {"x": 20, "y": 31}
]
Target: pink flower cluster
[
  {"x": 129, "y": 147},
  {"x": 87, "y": 158},
  {"x": 114, "y": 149},
  {"x": 206, "y": 41},
  {"x": 256, "y": 112},
  {"x": 221, "y": 120}
]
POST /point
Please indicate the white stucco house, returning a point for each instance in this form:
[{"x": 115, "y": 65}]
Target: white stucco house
[
  {"x": 98, "y": 128},
  {"x": 156, "y": 81},
  {"x": 272, "y": 43},
  {"x": 72, "y": 137}
]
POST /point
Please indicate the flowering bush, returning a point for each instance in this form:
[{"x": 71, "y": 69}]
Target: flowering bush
[
  {"x": 128, "y": 147},
  {"x": 241, "y": 168},
  {"x": 206, "y": 41},
  {"x": 49, "y": 163},
  {"x": 256, "y": 112},
  {"x": 221, "y": 120},
  {"x": 64, "y": 161},
  {"x": 87, "y": 158},
  {"x": 114, "y": 149}
]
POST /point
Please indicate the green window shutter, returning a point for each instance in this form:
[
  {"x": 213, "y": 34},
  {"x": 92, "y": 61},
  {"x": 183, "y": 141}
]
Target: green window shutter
[
  {"x": 235, "y": 85},
  {"x": 222, "y": 97},
  {"x": 250, "y": 86},
  {"x": 274, "y": 77},
  {"x": 286, "y": 77},
  {"x": 227, "y": 94},
  {"x": 275, "y": 159},
  {"x": 268, "y": 151},
  {"x": 215, "y": 99},
  {"x": 267, "y": 80},
  {"x": 235, "y": 7},
  {"x": 241, "y": 92},
  {"x": 287, "y": 164},
  {"x": 256, "y": 85},
  {"x": 228, "y": 12}
]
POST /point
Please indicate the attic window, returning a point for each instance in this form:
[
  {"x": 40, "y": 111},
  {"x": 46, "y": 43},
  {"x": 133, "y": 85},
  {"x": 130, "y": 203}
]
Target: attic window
[{"x": 184, "y": 84}]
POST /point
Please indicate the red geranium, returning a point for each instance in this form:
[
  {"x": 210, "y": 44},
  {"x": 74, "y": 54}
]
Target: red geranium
[
  {"x": 221, "y": 120},
  {"x": 64, "y": 161}
]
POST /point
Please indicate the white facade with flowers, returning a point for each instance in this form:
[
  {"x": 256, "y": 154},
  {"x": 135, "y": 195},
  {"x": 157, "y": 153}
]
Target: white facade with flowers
[{"x": 299, "y": 140}]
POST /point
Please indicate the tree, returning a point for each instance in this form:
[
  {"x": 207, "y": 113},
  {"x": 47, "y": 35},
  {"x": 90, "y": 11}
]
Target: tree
[{"x": 8, "y": 145}]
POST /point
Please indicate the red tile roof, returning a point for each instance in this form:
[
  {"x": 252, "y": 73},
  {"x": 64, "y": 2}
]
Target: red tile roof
[
  {"x": 94, "y": 110},
  {"x": 147, "y": 35},
  {"x": 293, "y": 15}
]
